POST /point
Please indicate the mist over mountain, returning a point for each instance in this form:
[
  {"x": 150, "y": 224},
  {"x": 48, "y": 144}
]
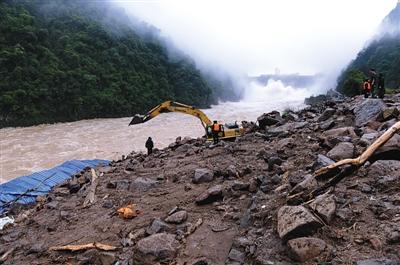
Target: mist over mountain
[
  {"x": 71, "y": 60},
  {"x": 381, "y": 53}
]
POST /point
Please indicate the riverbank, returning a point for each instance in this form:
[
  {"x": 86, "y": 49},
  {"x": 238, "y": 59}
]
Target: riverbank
[{"x": 204, "y": 204}]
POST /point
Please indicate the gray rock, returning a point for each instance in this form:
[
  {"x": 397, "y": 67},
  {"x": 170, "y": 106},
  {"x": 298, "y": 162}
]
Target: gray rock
[
  {"x": 342, "y": 131},
  {"x": 308, "y": 183},
  {"x": 383, "y": 168},
  {"x": 322, "y": 161},
  {"x": 295, "y": 221},
  {"x": 305, "y": 248},
  {"x": 287, "y": 127},
  {"x": 142, "y": 184},
  {"x": 388, "y": 114},
  {"x": 341, "y": 151},
  {"x": 239, "y": 185},
  {"x": 368, "y": 110},
  {"x": 232, "y": 171},
  {"x": 236, "y": 255},
  {"x": 329, "y": 112},
  {"x": 157, "y": 226},
  {"x": 325, "y": 207},
  {"x": 211, "y": 195},
  {"x": 394, "y": 237},
  {"x": 177, "y": 218},
  {"x": 202, "y": 175},
  {"x": 268, "y": 119},
  {"x": 183, "y": 148},
  {"x": 382, "y": 261},
  {"x": 158, "y": 247},
  {"x": 329, "y": 124},
  {"x": 122, "y": 185}
]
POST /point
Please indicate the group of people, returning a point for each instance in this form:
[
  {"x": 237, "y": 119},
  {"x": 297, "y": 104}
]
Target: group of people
[
  {"x": 215, "y": 130},
  {"x": 374, "y": 86}
]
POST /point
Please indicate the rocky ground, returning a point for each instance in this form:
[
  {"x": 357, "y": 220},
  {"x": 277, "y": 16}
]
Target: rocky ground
[{"x": 199, "y": 204}]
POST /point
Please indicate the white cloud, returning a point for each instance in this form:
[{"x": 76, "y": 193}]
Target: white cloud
[{"x": 255, "y": 36}]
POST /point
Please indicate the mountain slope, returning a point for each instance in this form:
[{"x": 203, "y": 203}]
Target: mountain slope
[
  {"x": 71, "y": 60},
  {"x": 382, "y": 53}
]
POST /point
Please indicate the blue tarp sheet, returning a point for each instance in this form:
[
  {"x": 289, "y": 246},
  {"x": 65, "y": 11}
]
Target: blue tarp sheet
[{"x": 40, "y": 183}]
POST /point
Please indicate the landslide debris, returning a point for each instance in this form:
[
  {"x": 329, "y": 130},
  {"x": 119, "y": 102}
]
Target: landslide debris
[{"x": 200, "y": 203}]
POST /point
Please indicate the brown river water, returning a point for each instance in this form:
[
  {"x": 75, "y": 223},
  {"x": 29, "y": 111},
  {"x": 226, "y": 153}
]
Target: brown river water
[{"x": 35, "y": 148}]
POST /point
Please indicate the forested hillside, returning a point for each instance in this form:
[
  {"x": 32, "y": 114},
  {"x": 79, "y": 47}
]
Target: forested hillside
[
  {"x": 383, "y": 54},
  {"x": 70, "y": 60}
]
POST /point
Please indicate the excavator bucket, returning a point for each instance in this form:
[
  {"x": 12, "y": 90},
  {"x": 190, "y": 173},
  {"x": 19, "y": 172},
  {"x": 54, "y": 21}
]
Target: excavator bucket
[{"x": 137, "y": 119}]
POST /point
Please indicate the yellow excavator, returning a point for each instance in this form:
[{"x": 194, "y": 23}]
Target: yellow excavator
[{"x": 228, "y": 131}]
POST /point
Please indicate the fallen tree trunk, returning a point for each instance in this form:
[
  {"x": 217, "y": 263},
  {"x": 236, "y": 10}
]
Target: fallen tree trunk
[
  {"x": 359, "y": 161},
  {"x": 90, "y": 197},
  {"x": 350, "y": 166}
]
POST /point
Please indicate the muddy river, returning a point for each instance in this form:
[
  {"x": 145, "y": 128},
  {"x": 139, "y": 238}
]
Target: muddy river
[{"x": 30, "y": 149}]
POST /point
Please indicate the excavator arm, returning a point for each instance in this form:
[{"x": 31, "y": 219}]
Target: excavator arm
[{"x": 171, "y": 106}]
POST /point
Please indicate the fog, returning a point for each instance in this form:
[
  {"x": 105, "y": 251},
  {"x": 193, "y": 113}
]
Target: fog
[{"x": 255, "y": 37}]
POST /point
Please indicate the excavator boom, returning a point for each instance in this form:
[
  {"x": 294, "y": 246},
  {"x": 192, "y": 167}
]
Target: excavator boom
[
  {"x": 171, "y": 106},
  {"x": 227, "y": 132}
]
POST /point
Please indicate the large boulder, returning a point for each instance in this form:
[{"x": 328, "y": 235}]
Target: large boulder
[
  {"x": 341, "y": 151},
  {"x": 322, "y": 161},
  {"x": 306, "y": 248},
  {"x": 158, "y": 247},
  {"x": 296, "y": 221},
  {"x": 385, "y": 173},
  {"x": 368, "y": 110},
  {"x": 157, "y": 226},
  {"x": 387, "y": 114},
  {"x": 202, "y": 175},
  {"x": 342, "y": 131},
  {"x": 268, "y": 119}
]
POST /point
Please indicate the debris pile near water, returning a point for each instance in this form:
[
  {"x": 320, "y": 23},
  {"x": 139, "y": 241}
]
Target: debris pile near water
[{"x": 196, "y": 203}]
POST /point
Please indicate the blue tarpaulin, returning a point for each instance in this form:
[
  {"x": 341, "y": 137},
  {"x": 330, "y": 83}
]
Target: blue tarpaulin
[{"x": 25, "y": 189}]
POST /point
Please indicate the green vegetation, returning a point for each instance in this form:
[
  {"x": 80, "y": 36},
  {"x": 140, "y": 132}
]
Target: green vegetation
[
  {"x": 383, "y": 54},
  {"x": 70, "y": 60}
]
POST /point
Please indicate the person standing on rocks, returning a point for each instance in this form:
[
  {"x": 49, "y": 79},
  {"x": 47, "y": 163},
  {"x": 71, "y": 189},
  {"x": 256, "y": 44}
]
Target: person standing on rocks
[
  {"x": 366, "y": 88},
  {"x": 149, "y": 145},
  {"x": 372, "y": 79},
  {"x": 215, "y": 129},
  {"x": 381, "y": 86}
]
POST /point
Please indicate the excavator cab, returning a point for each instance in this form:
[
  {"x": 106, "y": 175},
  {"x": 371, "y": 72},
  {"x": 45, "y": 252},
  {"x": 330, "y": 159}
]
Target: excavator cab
[{"x": 228, "y": 131}]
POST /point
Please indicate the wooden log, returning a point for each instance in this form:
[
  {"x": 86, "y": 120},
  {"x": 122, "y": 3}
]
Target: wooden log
[
  {"x": 91, "y": 196},
  {"x": 359, "y": 161},
  {"x": 84, "y": 247}
]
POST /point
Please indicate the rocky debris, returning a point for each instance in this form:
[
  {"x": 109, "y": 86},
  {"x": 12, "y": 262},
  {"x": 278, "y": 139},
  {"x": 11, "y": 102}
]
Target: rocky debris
[
  {"x": 306, "y": 248},
  {"x": 142, "y": 184},
  {"x": 288, "y": 127},
  {"x": 238, "y": 212},
  {"x": 388, "y": 114},
  {"x": 328, "y": 113},
  {"x": 211, "y": 195},
  {"x": 158, "y": 247},
  {"x": 177, "y": 218},
  {"x": 342, "y": 151},
  {"x": 382, "y": 261},
  {"x": 368, "y": 110},
  {"x": 296, "y": 221},
  {"x": 322, "y": 161},
  {"x": 268, "y": 119},
  {"x": 325, "y": 207},
  {"x": 202, "y": 175},
  {"x": 236, "y": 255},
  {"x": 157, "y": 226}
]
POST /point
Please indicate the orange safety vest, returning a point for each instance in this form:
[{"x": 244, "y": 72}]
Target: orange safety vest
[
  {"x": 367, "y": 86},
  {"x": 216, "y": 127}
]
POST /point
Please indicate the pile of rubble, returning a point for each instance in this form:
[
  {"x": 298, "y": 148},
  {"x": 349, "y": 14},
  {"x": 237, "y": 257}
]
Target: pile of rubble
[{"x": 196, "y": 203}]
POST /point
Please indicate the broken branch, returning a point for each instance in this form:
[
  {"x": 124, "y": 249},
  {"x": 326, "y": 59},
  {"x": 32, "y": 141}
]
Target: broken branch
[
  {"x": 84, "y": 247},
  {"x": 90, "y": 197}
]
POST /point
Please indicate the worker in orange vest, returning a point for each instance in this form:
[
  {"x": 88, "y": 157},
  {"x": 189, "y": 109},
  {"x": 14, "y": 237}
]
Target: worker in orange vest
[
  {"x": 215, "y": 129},
  {"x": 367, "y": 87}
]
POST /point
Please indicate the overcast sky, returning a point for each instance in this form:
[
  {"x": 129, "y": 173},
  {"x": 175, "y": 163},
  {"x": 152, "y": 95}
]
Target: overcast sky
[{"x": 304, "y": 36}]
